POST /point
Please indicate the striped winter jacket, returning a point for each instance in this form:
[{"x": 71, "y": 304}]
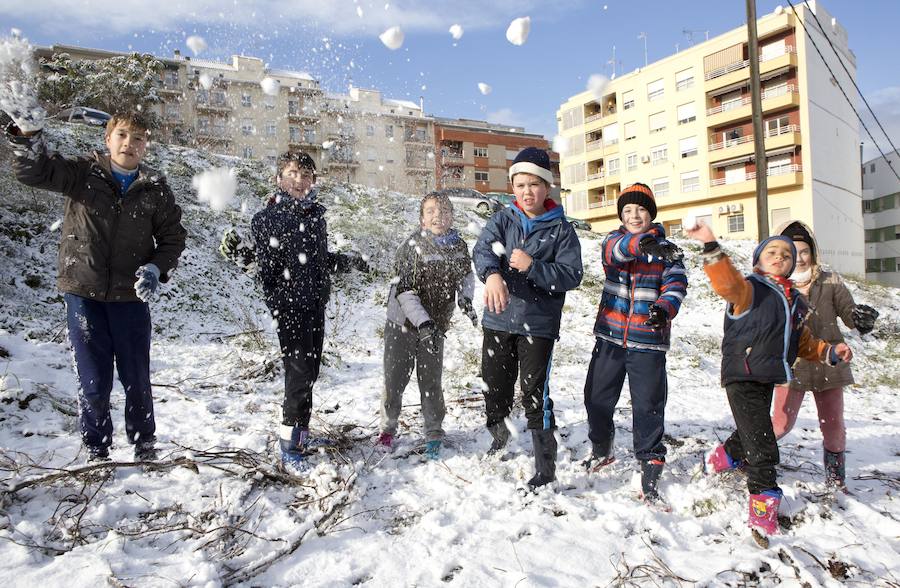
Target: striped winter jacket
[{"x": 633, "y": 283}]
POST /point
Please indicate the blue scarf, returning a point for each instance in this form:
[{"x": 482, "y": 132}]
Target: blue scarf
[
  {"x": 528, "y": 223},
  {"x": 123, "y": 177}
]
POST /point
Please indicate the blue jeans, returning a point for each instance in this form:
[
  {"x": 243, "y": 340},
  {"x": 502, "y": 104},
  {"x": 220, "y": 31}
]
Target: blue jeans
[
  {"x": 646, "y": 371},
  {"x": 103, "y": 333}
]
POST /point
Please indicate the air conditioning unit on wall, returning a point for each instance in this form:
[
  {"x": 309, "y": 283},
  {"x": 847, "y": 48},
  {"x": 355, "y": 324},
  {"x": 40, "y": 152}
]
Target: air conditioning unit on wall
[
  {"x": 723, "y": 209},
  {"x": 645, "y": 159},
  {"x": 735, "y": 207}
]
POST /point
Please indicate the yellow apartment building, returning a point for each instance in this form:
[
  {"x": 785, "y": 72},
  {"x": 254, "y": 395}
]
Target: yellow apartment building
[{"x": 683, "y": 126}]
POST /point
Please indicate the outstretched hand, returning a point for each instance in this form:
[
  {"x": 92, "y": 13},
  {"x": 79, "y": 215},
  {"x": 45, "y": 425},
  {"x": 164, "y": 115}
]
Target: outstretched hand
[
  {"x": 701, "y": 232},
  {"x": 18, "y": 96},
  {"x": 661, "y": 250}
]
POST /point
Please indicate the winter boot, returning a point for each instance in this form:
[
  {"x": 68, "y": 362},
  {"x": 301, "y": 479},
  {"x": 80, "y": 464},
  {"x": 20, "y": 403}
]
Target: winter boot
[
  {"x": 291, "y": 443},
  {"x": 145, "y": 450},
  {"x": 97, "y": 454},
  {"x": 834, "y": 470},
  {"x": 544, "y": 443},
  {"x": 601, "y": 456},
  {"x": 433, "y": 449},
  {"x": 718, "y": 460},
  {"x": 764, "y": 512},
  {"x": 385, "y": 442},
  {"x": 500, "y": 434},
  {"x": 651, "y": 470}
]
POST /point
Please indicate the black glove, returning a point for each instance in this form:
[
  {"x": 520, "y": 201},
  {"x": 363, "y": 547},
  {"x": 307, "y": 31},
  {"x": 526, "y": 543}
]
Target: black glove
[
  {"x": 665, "y": 250},
  {"x": 864, "y": 318},
  {"x": 344, "y": 262},
  {"x": 465, "y": 305},
  {"x": 430, "y": 336},
  {"x": 658, "y": 317}
]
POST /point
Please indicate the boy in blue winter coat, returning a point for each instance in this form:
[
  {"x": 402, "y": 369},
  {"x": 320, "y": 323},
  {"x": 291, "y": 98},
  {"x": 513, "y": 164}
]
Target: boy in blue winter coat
[
  {"x": 121, "y": 224},
  {"x": 645, "y": 286},
  {"x": 528, "y": 256},
  {"x": 434, "y": 275}
]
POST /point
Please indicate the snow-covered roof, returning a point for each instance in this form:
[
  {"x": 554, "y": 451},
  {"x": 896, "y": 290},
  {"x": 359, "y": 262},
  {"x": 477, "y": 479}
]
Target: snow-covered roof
[
  {"x": 403, "y": 103},
  {"x": 285, "y": 73}
]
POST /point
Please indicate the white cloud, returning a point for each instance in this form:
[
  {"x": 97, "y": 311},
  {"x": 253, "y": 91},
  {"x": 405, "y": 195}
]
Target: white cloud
[
  {"x": 886, "y": 104},
  {"x": 130, "y": 16}
]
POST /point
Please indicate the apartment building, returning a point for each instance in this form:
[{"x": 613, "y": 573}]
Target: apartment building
[
  {"x": 477, "y": 154},
  {"x": 881, "y": 218},
  {"x": 683, "y": 126}
]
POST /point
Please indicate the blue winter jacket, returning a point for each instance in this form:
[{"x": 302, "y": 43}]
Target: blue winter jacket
[{"x": 536, "y": 296}]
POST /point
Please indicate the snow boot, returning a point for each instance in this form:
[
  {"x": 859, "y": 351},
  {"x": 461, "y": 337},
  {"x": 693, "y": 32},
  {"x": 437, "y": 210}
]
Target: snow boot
[
  {"x": 718, "y": 460},
  {"x": 763, "y": 519},
  {"x": 433, "y": 449},
  {"x": 651, "y": 470},
  {"x": 145, "y": 450},
  {"x": 385, "y": 442},
  {"x": 544, "y": 442},
  {"x": 291, "y": 443},
  {"x": 500, "y": 435},
  {"x": 97, "y": 454},
  {"x": 835, "y": 476},
  {"x": 601, "y": 456}
]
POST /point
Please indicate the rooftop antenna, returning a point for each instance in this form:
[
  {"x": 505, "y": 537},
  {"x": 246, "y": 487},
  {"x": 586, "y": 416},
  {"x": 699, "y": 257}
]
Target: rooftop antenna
[
  {"x": 613, "y": 62},
  {"x": 689, "y": 33},
  {"x": 643, "y": 35}
]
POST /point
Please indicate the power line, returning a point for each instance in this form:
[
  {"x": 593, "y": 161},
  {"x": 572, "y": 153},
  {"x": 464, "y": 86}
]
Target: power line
[
  {"x": 840, "y": 87},
  {"x": 853, "y": 81}
]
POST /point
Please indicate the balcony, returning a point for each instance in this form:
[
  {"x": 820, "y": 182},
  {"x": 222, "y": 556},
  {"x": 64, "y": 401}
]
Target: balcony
[
  {"x": 213, "y": 106},
  {"x": 740, "y": 70},
  {"x": 298, "y": 116},
  {"x": 772, "y": 99},
  {"x": 213, "y": 136},
  {"x": 418, "y": 169},
  {"x": 170, "y": 89},
  {"x": 593, "y": 145},
  {"x": 297, "y": 143},
  {"x": 741, "y": 146},
  {"x": 781, "y": 176},
  {"x": 341, "y": 163},
  {"x": 417, "y": 139}
]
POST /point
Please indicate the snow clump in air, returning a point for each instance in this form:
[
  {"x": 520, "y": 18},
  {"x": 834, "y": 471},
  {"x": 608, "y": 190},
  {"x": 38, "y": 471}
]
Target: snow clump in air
[
  {"x": 517, "y": 33},
  {"x": 561, "y": 144},
  {"x": 196, "y": 43},
  {"x": 206, "y": 81},
  {"x": 270, "y": 86},
  {"x": 690, "y": 221},
  {"x": 498, "y": 248},
  {"x": 484, "y": 88},
  {"x": 392, "y": 38},
  {"x": 456, "y": 32},
  {"x": 216, "y": 187},
  {"x": 596, "y": 85}
]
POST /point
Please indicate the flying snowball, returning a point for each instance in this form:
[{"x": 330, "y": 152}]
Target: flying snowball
[
  {"x": 484, "y": 88},
  {"x": 216, "y": 187},
  {"x": 196, "y": 43},
  {"x": 206, "y": 81},
  {"x": 392, "y": 38},
  {"x": 690, "y": 222},
  {"x": 456, "y": 32},
  {"x": 498, "y": 248},
  {"x": 270, "y": 86},
  {"x": 517, "y": 33},
  {"x": 596, "y": 85},
  {"x": 560, "y": 144},
  {"x": 359, "y": 11}
]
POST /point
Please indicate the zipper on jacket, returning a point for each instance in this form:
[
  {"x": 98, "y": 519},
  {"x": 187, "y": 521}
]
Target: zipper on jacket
[
  {"x": 630, "y": 306},
  {"x": 117, "y": 209}
]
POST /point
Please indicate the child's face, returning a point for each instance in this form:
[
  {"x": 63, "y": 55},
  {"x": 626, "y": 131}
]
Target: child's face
[
  {"x": 530, "y": 191},
  {"x": 296, "y": 181},
  {"x": 776, "y": 259},
  {"x": 437, "y": 217},
  {"x": 126, "y": 146},
  {"x": 636, "y": 218},
  {"x": 804, "y": 256}
]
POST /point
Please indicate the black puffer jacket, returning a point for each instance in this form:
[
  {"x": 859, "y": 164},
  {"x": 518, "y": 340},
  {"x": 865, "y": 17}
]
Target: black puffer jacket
[{"x": 105, "y": 236}]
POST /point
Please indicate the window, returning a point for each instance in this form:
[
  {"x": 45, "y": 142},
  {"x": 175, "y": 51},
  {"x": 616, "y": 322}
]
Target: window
[
  {"x": 370, "y": 130},
  {"x": 660, "y": 186},
  {"x": 293, "y": 107},
  {"x": 657, "y": 122},
  {"x": 778, "y": 126},
  {"x": 659, "y": 154},
  {"x": 269, "y": 102},
  {"x": 627, "y": 99},
  {"x": 684, "y": 79},
  {"x": 481, "y": 176},
  {"x": 780, "y": 216},
  {"x": 690, "y": 181},
  {"x": 873, "y": 265},
  {"x": 631, "y": 161},
  {"x": 612, "y": 167},
  {"x": 271, "y": 129},
  {"x": 481, "y": 151},
  {"x": 688, "y": 146},
  {"x": 246, "y": 99},
  {"x": 687, "y": 113},
  {"x": 655, "y": 90},
  {"x": 309, "y": 135},
  {"x": 248, "y": 152},
  {"x": 733, "y": 136},
  {"x": 778, "y": 165},
  {"x": 889, "y": 264},
  {"x": 389, "y": 131},
  {"x": 772, "y": 50},
  {"x": 872, "y": 169},
  {"x": 732, "y": 100},
  {"x": 246, "y": 126},
  {"x": 610, "y": 134},
  {"x": 271, "y": 156},
  {"x": 293, "y": 135},
  {"x": 203, "y": 127},
  {"x": 570, "y": 118},
  {"x": 630, "y": 130},
  {"x": 735, "y": 223},
  {"x": 734, "y": 174},
  {"x": 371, "y": 154}
]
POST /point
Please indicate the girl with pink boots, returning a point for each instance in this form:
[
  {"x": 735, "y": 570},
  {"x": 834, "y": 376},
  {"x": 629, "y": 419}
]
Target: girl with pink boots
[{"x": 764, "y": 333}]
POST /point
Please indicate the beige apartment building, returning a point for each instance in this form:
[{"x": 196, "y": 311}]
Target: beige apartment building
[
  {"x": 881, "y": 214},
  {"x": 683, "y": 126}
]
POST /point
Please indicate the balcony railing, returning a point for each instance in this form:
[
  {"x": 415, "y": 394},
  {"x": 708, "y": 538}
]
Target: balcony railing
[
  {"x": 609, "y": 142},
  {"x": 592, "y": 145},
  {"x": 747, "y": 138},
  {"x": 601, "y": 204},
  {"x": 772, "y": 171},
  {"x": 727, "y": 69},
  {"x": 744, "y": 101},
  {"x": 593, "y": 117},
  {"x": 597, "y": 176}
]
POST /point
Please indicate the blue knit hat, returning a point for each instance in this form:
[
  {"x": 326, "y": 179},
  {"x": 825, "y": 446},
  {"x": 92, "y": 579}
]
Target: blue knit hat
[
  {"x": 759, "y": 249},
  {"x": 534, "y": 161}
]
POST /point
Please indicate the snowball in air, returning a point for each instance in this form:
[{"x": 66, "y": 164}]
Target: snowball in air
[
  {"x": 498, "y": 248},
  {"x": 216, "y": 187},
  {"x": 690, "y": 222},
  {"x": 206, "y": 81},
  {"x": 560, "y": 144},
  {"x": 517, "y": 33},
  {"x": 596, "y": 85},
  {"x": 484, "y": 88},
  {"x": 359, "y": 11},
  {"x": 270, "y": 86},
  {"x": 392, "y": 38},
  {"x": 456, "y": 32},
  {"x": 196, "y": 43}
]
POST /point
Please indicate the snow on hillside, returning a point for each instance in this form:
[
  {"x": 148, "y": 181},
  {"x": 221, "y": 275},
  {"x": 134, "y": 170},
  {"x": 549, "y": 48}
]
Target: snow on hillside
[{"x": 217, "y": 511}]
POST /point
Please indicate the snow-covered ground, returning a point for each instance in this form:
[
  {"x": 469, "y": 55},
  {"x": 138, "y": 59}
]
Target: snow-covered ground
[{"x": 218, "y": 512}]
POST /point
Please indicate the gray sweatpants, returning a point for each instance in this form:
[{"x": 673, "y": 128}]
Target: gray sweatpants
[{"x": 401, "y": 352}]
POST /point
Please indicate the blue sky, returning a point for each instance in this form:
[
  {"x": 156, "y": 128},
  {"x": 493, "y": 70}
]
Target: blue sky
[{"x": 569, "y": 41}]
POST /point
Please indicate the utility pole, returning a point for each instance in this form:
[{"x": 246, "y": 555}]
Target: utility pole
[
  {"x": 759, "y": 139},
  {"x": 643, "y": 36}
]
